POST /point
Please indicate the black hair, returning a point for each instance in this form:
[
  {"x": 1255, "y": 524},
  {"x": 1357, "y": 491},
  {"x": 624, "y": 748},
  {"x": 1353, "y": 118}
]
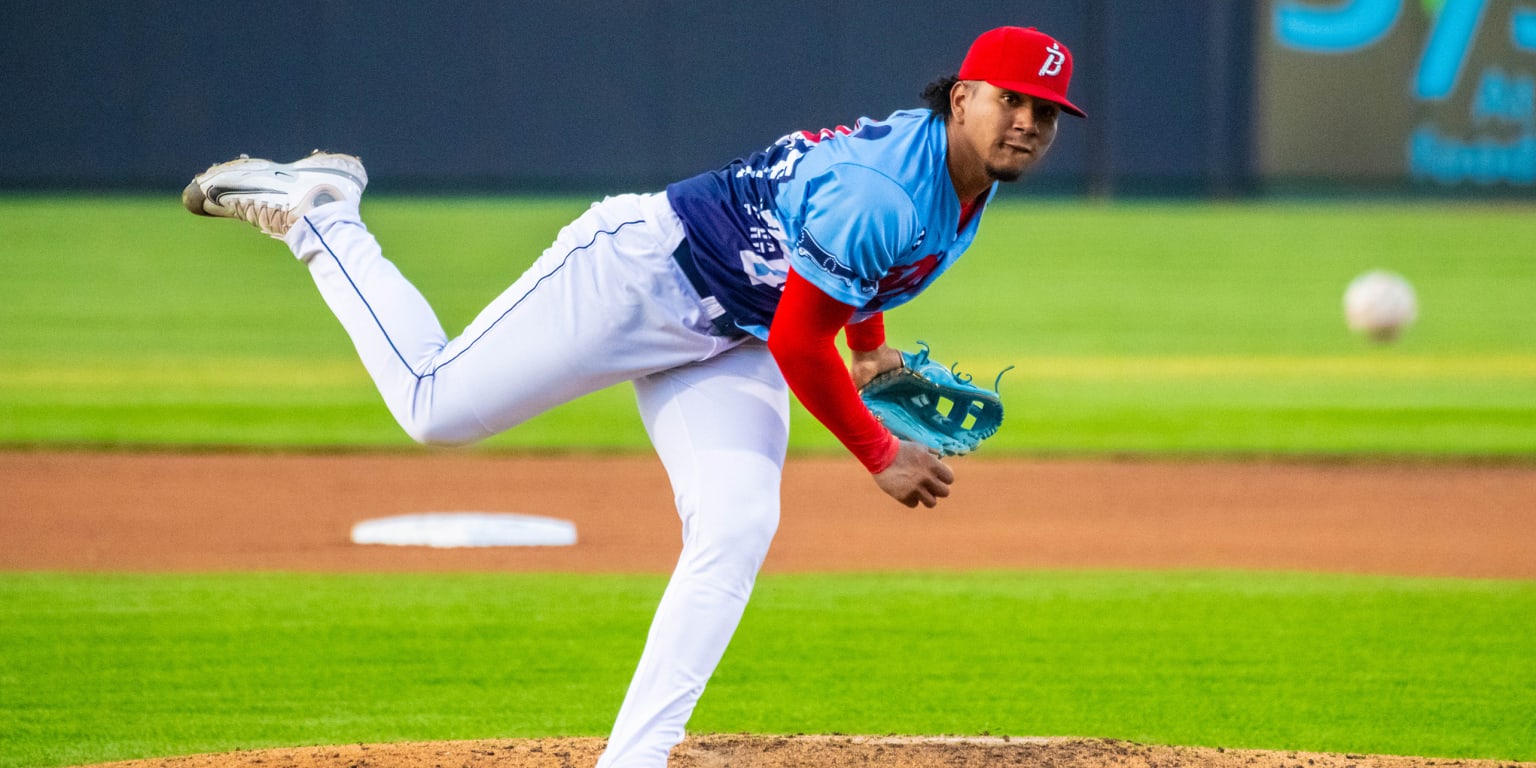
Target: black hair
[{"x": 936, "y": 94}]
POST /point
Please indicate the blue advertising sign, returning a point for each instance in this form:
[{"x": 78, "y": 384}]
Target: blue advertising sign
[{"x": 1437, "y": 92}]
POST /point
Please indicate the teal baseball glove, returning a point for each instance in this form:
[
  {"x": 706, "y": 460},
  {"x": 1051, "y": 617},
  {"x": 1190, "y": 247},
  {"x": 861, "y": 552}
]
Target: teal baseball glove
[{"x": 924, "y": 402}]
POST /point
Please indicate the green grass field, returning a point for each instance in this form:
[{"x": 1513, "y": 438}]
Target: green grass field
[
  {"x": 104, "y": 667},
  {"x": 1164, "y": 328},
  {"x": 1148, "y": 329}
]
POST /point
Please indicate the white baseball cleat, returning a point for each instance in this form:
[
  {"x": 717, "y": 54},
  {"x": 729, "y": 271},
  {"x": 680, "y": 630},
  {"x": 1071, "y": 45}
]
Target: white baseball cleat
[{"x": 273, "y": 196}]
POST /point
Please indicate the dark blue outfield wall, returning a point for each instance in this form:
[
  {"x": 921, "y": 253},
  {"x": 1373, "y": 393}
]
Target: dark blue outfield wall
[{"x": 585, "y": 96}]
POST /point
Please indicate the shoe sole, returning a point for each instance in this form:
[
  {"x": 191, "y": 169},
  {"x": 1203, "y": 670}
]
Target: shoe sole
[{"x": 194, "y": 198}]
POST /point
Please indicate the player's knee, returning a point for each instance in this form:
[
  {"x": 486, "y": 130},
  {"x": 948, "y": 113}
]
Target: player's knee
[
  {"x": 442, "y": 433},
  {"x": 754, "y": 530},
  {"x": 740, "y": 532},
  {"x": 726, "y": 543}
]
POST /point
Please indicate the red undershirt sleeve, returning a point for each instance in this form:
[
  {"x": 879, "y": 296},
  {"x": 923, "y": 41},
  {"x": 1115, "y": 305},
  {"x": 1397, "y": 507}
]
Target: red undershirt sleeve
[
  {"x": 803, "y": 342},
  {"x": 867, "y": 335}
]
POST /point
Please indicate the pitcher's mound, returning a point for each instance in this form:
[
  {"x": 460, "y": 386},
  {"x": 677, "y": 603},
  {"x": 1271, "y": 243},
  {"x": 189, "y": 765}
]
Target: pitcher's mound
[{"x": 746, "y": 751}]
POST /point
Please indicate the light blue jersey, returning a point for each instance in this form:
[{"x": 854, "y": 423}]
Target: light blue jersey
[{"x": 868, "y": 215}]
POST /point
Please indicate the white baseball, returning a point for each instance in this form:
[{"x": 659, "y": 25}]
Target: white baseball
[{"x": 1380, "y": 305}]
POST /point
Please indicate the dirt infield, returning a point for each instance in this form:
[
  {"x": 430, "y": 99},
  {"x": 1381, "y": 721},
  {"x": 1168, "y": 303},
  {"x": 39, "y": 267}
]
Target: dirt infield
[
  {"x": 801, "y": 752},
  {"x": 221, "y": 512},
  {"x": 198, "y": 512}
]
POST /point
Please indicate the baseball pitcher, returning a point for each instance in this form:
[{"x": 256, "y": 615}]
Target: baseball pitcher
[{"x": 716, "y": 298}]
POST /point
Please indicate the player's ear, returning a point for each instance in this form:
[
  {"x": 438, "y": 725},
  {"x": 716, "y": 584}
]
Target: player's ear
[{"x": 959, "y": 95}]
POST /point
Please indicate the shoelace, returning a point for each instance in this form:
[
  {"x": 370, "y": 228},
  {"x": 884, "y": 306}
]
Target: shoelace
[{"x": 271, "y": 219}]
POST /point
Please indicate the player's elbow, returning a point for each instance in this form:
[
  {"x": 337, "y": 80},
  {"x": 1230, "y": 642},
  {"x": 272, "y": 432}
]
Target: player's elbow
[
  {"x": 779, "y": 349},
  {"x": 787, "y": 348}
]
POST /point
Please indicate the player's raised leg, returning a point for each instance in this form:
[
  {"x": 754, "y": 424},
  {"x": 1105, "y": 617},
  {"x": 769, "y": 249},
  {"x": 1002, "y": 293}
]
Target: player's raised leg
[
  {"x": 604, "y": 304},
  {"x": 720, "y": 428}
]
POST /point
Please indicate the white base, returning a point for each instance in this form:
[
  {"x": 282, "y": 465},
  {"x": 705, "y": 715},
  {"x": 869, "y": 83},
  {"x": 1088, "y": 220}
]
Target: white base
[{"x": 466, "y": 529}]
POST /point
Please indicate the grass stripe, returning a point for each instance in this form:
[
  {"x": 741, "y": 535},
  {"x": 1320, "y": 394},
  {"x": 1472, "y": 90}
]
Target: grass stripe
[
  {"x": 100, "y": 667},
  {"x": 123, "y": 321}
]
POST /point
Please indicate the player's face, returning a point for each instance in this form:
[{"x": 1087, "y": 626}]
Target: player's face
[{"x": 1007, "y": 131}]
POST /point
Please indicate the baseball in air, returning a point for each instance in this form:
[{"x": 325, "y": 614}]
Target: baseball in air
[{"x": 1380, "y": 305}]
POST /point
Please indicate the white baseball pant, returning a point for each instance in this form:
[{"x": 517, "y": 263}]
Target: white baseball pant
[{"x": 604, "y": 304}]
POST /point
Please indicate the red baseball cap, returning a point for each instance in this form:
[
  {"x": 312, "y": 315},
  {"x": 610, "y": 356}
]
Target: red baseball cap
[{"x": 1025, "y": 60}]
